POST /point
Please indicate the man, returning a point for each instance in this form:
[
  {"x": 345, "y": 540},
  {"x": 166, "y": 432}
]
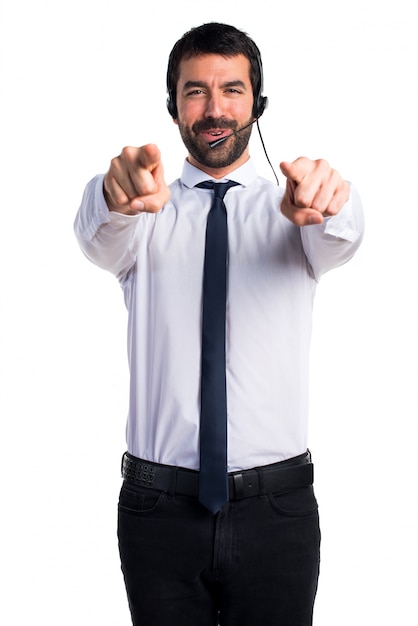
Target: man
[{"x": 246, "y": 551}]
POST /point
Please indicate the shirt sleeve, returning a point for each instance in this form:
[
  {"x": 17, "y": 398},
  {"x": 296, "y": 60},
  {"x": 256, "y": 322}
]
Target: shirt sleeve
[
  {"x": 106, "y": 237},
  {"x": 335, "y": 241}
]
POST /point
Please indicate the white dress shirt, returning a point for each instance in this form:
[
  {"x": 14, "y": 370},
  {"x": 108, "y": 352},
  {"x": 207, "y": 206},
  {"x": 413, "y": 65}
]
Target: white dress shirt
[{"x": 274, "y": 268}]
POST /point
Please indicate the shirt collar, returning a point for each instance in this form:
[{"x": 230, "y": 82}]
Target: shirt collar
[{"x": 244, "y": 175}]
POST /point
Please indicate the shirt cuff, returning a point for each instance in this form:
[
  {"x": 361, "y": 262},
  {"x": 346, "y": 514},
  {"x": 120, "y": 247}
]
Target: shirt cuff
[{"x": 348, "y": 223}]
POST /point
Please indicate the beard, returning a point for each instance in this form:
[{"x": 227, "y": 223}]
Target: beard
[{"x": 223, "y": 155}]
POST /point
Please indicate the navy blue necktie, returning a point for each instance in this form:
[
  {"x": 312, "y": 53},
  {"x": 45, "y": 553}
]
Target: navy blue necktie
[{"x": 213, "y": 478}]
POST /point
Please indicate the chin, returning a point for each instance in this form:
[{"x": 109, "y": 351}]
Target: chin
[
  {"x": 220, "y": 156},
  {"x": 223, "y": 155}
]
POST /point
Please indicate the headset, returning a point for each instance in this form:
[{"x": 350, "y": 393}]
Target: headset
[{"x": 260, "y": 101}]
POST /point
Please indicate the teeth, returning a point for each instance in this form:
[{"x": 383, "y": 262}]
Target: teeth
[{"x": 216, "y": 134}]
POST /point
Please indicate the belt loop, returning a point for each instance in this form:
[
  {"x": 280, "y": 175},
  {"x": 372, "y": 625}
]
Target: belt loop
[
  {"x": 173, "y": 482},
  {"x": 238, "y": 483},
  {"x": 122, "y": 463},
  {"x": 261, "y": 483}
]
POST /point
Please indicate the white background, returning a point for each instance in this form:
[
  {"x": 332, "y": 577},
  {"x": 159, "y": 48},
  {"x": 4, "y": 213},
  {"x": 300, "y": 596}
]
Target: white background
[{"x": 81, "y": 79}]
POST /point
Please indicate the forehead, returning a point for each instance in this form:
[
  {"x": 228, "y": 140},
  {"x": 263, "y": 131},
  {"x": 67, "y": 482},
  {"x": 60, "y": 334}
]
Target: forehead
[{"x": 212, "y": 68}]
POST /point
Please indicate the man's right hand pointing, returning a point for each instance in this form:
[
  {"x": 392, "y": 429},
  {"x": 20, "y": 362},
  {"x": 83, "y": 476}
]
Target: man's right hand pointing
[{"x": 135, "y": 181}]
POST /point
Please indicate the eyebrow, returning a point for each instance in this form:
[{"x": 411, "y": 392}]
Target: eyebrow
[{"x": 192, "y": 84}]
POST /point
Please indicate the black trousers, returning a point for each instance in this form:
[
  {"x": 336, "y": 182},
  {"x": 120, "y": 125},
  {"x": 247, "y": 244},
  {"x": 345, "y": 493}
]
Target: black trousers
[{"x": 255, "y": 563}]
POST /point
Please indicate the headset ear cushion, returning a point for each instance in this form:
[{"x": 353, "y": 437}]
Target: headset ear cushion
[
  {"x": 261, "y": 106},
  {"x": 171, "y": 106}
]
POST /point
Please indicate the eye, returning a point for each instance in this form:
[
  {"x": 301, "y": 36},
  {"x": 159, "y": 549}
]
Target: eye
[{"x": 195, "y": 92}]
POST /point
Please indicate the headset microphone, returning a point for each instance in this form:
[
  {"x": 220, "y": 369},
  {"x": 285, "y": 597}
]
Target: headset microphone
[{"x": 213, "y": 144}]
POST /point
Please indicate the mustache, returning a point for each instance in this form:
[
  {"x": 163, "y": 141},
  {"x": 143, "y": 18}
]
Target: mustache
[{"x": 212, "y": 122}]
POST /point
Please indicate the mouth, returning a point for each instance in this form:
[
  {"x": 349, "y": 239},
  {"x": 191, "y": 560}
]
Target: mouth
[{"x": 215, "y": 133}]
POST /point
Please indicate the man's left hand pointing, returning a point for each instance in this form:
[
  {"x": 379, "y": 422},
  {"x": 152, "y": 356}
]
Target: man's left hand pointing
[{"x": 313, "y": 191}]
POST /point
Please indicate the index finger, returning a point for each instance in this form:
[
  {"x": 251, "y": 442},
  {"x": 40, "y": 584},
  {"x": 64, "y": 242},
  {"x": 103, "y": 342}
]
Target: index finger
[
  {"x": 149, "y": 157},
  {"x": 298, "y": 169},
  {"x": 144, "y": 170}
]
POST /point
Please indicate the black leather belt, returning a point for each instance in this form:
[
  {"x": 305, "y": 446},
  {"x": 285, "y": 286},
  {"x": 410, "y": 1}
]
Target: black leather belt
[{"x": 290, "y": 474}]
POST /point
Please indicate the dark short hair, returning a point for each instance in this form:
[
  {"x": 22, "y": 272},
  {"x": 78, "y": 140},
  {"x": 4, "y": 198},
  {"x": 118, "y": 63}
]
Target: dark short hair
[{"x": 212, "y": 38}]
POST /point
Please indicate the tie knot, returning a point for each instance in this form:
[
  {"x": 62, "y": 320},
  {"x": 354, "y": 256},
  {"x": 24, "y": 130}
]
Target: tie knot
[{"x": 219, "y": 189}]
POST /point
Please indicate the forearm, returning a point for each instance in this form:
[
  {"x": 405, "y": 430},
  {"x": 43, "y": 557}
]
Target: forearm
[
  {"x": 335, "y": 241},
  {"x": 105, "y": 237}
]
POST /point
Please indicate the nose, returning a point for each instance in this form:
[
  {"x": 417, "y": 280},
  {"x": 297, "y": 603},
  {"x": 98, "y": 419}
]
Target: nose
[{"x": 214, "y": 106}]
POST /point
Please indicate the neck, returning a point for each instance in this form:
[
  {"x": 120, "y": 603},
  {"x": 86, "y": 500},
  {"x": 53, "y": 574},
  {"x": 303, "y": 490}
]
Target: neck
[{"x": 219, "y": 172}]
